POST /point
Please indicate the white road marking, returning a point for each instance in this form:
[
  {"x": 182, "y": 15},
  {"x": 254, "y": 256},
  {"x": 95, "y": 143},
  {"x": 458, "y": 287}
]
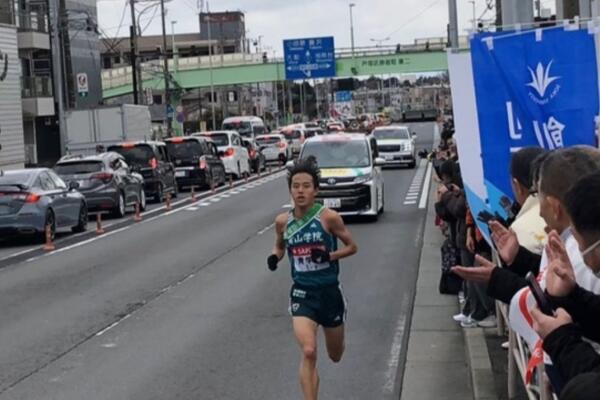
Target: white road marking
[
  {"x": 425, "y": 192},
  {"x": 286, "y": 206},
  {"x": 192, "y": 208},
  {"x": 262, "y": 231},
  {"x": 407, "y": 203},
  {"x": 225, "y": 196},
  {"x": 215, "y": 200},
  {"x": 204, "y": 204},
  {"x": 108, "y": 328},
  {"x": 394, "y": 359}
]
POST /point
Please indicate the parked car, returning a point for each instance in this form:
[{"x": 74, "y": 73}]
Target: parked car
[
  {"x": 396, "y": 145},
  {"x": 275, "y": 148},
  {"x": 197, "y": 162},
  {"x": 150, "y": 159},
  {"x": 351, "y": 178},
  {"x": 234, "y": 155},
  {"x": 105, "y": 180},
  {"x": 31, "y": 199},
  {"x": 257, "y": 158}
]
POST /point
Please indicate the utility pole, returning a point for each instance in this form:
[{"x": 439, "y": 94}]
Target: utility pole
[
  {"x": 351, "y": 5},
  {"x": 210, "y": 66},
  {"x": 57, "y": 68},
  {"x": 168, "y": 106},
  {"x": 453, "y": 24},
  {"x": 133, "y": 50}
]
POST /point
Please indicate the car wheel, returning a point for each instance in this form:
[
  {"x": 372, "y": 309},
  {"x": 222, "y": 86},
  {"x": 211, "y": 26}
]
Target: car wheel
[
  {"x": 239, "y": 171},
  {"x": 413, "y": 164},
  {"x": 49, "y": 220},
  {"x": 142, "y": 200},
  {"x": 82, "y": 220},
  {"x": 119, "y": 211},
  {"x": 382, "y": 202}
]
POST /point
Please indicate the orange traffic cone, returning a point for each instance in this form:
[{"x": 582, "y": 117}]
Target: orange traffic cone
[
  {"x": 49, "y": 246},
  {"x": 169, "y": 202},
  {"x": 99, "y": 229},
  {"x": 193, "y": 198},
  {"x": 138, "y": 216}
]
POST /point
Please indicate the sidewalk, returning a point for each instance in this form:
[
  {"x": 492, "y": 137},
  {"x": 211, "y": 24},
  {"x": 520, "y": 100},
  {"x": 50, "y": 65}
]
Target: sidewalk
[{"x": 443, "y": 362}]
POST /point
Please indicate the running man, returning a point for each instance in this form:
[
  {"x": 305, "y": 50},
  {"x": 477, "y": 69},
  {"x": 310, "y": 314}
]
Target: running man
[{"x": 309, "y": 232}]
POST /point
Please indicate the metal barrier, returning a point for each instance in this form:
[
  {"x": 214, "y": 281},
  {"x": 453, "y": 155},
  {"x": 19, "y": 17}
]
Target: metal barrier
[{"x": 518, "y": 358}]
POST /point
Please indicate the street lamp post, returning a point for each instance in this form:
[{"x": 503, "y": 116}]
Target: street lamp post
[
  {"x": 168, "y": 106},
  {"x": 351, "y": 5},
  {"x": 175, "y": 61},
  {"x": 210, "y": 63},
  {"x": 379, "y": 41}
]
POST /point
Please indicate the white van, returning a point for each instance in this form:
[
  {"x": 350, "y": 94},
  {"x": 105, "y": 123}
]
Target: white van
[{"x": 245, "y": 126}]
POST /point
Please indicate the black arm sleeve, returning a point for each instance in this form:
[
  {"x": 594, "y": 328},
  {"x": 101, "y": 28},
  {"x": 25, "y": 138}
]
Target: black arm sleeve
[
  {"x": 569, "y": 353},
  {"x": 525, "y": 262},
  {"x": 584, "y": 308},
  {"x": 504, "y": 284}
]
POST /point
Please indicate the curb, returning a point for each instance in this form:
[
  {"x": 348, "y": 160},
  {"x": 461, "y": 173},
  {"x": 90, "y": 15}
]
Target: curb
[{"x": 480, "y": 366}]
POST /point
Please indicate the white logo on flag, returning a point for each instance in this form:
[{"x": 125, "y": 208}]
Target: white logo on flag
[{"x": 540, "y": 81}]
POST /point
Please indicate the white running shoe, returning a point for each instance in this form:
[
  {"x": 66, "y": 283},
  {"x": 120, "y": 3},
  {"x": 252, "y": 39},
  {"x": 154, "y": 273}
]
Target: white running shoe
[
  {"x": 469, "y": 323},
  {"x": 460, "y": 317}
]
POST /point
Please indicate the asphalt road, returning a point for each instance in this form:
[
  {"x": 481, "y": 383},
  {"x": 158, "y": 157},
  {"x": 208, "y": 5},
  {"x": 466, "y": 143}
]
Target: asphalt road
[{"x": 182, "y": 306}]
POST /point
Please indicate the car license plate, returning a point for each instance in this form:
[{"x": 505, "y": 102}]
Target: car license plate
[
  {"x": 180, "y": 174},
  {"x": 332, "y": 203},
  {"x": 388, "y": 157}
]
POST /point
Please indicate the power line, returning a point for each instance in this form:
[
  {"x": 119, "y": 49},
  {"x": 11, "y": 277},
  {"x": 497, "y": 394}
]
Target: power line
[{"x": 414, "y": 18}]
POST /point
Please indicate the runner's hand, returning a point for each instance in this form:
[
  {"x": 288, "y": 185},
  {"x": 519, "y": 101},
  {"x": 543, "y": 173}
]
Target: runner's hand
[
  {"x": 272, "y": 261},
  {"x": 319, "y": 256}
]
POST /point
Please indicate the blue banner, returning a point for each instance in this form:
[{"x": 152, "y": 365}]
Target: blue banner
[{"x": 535, "y": 88}]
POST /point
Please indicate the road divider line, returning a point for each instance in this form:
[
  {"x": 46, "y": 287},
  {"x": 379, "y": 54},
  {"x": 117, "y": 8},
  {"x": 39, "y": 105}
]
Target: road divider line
[
  {"x": 425, "y": 192},
  {"x": 262, "y": 231},
  {"x": 394, "y": 358}
]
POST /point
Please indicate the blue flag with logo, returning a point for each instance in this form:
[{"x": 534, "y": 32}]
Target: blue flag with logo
[{"x": 534, "y": 88}]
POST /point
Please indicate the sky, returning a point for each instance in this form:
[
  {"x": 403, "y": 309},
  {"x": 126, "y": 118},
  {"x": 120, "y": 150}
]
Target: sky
[{"x": 400, "y": 20}]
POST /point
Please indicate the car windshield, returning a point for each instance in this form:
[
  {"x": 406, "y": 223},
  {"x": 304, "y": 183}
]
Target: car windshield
[
  {"x": 140, "y": 154},
  {"x": 240, "y": 127},
  {"x": 267, "y": 141},
  {"x": 184, "y": 150},
  {"x": 391, "y": 134},
  {"x": 82, "y": 167},
  {"x": 219, "y": 139},
  {"x": 339, "y": 154},
  {"x": 15, "y": 178}
]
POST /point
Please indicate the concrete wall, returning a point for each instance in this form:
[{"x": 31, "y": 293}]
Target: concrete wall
[{"x": 12, "y": 154}]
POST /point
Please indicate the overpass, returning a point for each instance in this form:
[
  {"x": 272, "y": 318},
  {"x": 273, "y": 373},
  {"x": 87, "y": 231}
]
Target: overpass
[{"x": 231, "y": 69}]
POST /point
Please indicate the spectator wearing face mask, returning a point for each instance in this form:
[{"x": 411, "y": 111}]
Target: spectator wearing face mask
[{"x": 579, "y": 309}]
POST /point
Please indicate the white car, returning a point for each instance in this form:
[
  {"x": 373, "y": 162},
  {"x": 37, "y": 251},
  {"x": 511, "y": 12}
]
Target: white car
[
  {"x": 396, "y": 145},
  {"x": 295, "y": 135},
  {"x": 351, "y": 178},
  {"x": 275, "y": 148},
  {"x": 234, "y": 155}
]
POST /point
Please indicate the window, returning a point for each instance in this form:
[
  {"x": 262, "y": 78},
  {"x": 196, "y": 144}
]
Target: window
[
  {"x": 58, "y": 183},
  {"x": 46, "y": 182},
  {"x": 259, "y": 130},
  {"x": 80, "y": 167},
  {"x": 157, "y": 99},
  {"x": 162, "y": 153}
]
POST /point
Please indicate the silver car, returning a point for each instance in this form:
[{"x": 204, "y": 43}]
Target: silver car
[
  {"x": 105, "y": 180},
  {"x": 31, "y": 199}
]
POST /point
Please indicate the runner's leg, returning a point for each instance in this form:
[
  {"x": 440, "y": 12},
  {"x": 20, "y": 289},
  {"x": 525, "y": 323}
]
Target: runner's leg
[
  {"x": 305, "y": 330},
  {"x": 334, "y": 340}
]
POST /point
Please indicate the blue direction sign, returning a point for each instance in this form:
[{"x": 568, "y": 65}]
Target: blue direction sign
[{"x": 309, "y": 58}]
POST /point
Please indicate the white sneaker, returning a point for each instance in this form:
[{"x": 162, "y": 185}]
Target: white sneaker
[
  {"x": 469, "y": 323},
  {"x": 460, "y": 317},
  {"x": 488, "y": 322},
  {"x": 504, "y": 345}
]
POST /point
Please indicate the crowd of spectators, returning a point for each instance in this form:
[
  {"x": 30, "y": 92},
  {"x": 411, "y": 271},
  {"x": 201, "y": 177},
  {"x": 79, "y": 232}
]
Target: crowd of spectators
[{"x": 553, "y": 234}]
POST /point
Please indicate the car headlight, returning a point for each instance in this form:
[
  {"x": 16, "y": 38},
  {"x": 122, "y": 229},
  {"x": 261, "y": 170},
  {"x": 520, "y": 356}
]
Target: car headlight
[{"x": 363, "y": 178}]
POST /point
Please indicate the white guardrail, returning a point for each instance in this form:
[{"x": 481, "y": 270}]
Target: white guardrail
[{"x": 518, "y": 358}]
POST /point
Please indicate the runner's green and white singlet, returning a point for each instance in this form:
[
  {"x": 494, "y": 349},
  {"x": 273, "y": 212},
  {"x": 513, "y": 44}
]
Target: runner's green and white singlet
[{"x": 301, "y": 236}]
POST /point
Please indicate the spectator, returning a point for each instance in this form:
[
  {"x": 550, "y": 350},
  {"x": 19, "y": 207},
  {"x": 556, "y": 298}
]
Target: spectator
[{"x": 562, "y": 338}]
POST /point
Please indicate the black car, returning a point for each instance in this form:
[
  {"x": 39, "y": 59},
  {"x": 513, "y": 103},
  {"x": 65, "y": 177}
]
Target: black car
[
  {"x": 105, "y": 180},
  {"x": 150, "y": 159},
  {"x": 257, "y": 158},
  {"x": 196, "y": 162}
]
